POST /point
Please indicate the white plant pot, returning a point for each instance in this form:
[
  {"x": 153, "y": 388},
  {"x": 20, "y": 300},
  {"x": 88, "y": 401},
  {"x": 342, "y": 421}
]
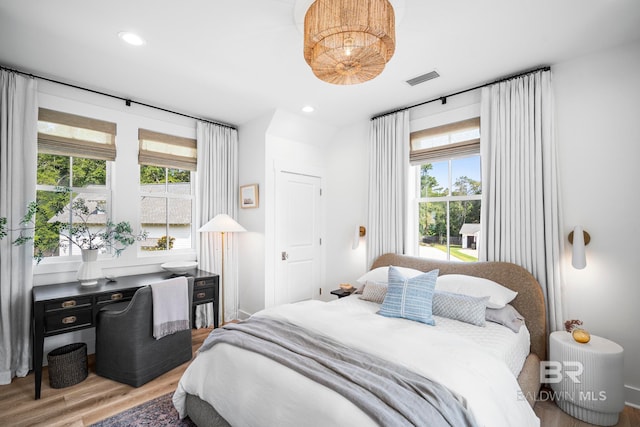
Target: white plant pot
[{"x": 90, "y": 270}]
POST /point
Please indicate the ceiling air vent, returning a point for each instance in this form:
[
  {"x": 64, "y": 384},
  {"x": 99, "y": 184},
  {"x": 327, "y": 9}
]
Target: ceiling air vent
[{"x": 423, "y": 78}]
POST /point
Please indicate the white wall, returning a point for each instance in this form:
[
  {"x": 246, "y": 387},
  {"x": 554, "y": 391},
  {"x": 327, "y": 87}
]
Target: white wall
[
  {"x": 251, "y": 245},
  {"x": 346, "y": 195},
  {"x": 598, "y": 109}
]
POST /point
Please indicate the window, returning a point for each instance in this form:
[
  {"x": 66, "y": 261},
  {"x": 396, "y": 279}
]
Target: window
[
  {"x": 73, "y": 152},
  {"x": 449, "y": 190},
  {"x": 166, "y": 190}
]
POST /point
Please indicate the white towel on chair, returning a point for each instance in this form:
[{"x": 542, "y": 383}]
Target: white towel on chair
[{"x": 170, "y": 306}]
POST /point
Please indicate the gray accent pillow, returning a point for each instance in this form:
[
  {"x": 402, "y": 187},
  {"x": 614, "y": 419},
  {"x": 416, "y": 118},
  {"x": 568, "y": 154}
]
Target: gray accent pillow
[
  {"x": 374, "y": 292},
  {"x": 507, "y": 316},
  {"x": 460, "y": 307}
]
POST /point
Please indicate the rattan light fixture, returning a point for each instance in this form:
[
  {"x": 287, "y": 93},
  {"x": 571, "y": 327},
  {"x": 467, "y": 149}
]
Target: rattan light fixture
[{"x": 349, "y": 41}]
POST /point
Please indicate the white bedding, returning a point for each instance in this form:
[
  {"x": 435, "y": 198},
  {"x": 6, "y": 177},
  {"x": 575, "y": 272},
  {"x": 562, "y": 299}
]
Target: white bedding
[
  {"x": 507, "y": 346},
  {"x": 250, "y": 390}
]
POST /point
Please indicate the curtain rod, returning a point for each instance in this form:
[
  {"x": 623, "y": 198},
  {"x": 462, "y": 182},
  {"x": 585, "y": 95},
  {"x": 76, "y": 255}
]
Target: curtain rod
[
  {"x": 127, "y": 101},
  {"x": 444, "y": 98}
]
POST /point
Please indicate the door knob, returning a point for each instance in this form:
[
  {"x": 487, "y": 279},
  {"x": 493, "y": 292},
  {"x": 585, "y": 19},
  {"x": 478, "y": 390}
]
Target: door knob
[{"x": 285, "y": 256}]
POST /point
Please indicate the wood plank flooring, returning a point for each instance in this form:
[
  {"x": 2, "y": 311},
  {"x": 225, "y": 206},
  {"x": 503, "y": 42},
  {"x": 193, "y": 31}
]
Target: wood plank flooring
[
  {"x": 97, "y": 398},
  {"x": 83, "y": 404},
  {"x": 552, "y": 416}
]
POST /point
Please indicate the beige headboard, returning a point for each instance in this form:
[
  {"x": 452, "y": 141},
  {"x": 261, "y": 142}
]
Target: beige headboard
[{"x": 529, "y": 302}]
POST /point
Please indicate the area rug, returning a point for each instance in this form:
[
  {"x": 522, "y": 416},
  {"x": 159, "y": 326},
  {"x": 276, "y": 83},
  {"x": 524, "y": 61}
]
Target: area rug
[{"x": 158, "y": 412}]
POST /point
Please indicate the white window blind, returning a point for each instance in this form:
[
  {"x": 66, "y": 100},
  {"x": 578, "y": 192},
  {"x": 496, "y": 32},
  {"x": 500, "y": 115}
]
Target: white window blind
[
  {"x": 445, "y": 142},
  {"x": 67, "y": 134},
  {"x": 159, "y": 149}
]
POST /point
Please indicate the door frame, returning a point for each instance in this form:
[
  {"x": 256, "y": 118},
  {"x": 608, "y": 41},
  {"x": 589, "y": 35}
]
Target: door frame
[
  {"x": 283, "y": 283},
  {"x": 272, "y": 252}
]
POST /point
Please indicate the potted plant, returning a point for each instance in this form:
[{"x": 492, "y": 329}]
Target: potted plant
[{"x": 83, "y": 231}]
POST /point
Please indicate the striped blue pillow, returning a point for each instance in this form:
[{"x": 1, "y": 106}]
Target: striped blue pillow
[{"x": 410, "y": 298}]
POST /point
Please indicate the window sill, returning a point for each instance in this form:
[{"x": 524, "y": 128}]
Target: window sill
[{"x": 57, "y": 271}]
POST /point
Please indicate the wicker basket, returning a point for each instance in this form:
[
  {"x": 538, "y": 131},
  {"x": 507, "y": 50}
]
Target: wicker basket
[{"x": 67, "y": 365}]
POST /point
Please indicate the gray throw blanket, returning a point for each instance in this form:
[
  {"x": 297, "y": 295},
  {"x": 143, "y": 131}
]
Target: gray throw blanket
[{"x": 389, "y": 393}]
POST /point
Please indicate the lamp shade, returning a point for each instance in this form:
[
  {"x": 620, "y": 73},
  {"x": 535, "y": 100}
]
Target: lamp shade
[
  {"x": 222, "y": 223},
  {"x": 356, "y": 239},
  {"x": 578, "y": 256}
]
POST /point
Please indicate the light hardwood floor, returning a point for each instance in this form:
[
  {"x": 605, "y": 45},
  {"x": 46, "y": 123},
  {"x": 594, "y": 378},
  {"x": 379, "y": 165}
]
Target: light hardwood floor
[
  {"x": 552, "y": 416},
  {"x": 83, "y": 404},
  {"x": 97, "y": 398}
]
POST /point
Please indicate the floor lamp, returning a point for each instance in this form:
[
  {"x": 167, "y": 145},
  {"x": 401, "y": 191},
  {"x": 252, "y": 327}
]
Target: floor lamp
[{"x": 222, "y": 223}]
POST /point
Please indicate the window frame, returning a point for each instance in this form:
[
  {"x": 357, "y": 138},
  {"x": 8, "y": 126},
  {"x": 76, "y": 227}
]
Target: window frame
[
  {"x": 163, "y": 160},
  {"x": 442, "y": 199},
  {"x": 65, "y": 147},
  {"x": 443, "y": 153}
]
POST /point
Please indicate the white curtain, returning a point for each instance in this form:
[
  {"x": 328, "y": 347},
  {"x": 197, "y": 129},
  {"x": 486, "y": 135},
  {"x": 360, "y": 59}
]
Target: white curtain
[
  {"x": 388, "y": 176},
  {"x": 217, "y": 192},
  {"x": 521, "y": 218},
  {"x": 18, "y": 157}
]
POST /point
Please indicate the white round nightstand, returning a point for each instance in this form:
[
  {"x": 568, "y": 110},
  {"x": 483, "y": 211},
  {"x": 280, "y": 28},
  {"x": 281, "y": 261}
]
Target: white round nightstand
[{"x": 591, "y": 388}]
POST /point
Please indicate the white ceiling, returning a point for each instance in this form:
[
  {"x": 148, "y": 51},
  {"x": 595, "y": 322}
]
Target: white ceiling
[{"x": 234, "y": 60}]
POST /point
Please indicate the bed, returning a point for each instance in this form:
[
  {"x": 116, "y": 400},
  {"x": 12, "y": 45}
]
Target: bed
[{"x": 228, "y": 385}]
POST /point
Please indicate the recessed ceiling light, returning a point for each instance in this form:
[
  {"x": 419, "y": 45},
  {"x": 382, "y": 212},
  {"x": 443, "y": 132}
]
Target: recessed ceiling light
[
  {"x": 131, "y": 38},
  {"x": 308, "y": 109}
]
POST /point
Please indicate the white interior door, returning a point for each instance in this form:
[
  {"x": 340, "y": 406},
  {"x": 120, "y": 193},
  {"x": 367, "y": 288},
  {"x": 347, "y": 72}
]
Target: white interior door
[{"x": 297, "y": 238}]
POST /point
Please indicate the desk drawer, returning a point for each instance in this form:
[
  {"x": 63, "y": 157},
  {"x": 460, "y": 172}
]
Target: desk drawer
[
  {"x": 200, "y": 295},
  {"x": 115, "y": 296},
  {"x": 201, "y": 283},
  {"x": 68, "y": 319},
  {"x": 67, "y": 304}
]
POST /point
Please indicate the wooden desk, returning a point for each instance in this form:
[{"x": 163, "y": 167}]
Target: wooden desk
[{"x": 67, "y": 307}]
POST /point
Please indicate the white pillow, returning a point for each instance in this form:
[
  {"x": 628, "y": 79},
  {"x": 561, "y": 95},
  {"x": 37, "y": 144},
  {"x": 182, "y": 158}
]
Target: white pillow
[
  {"x": 499, "y": 296},
  {"x": 381, "y": 274}
]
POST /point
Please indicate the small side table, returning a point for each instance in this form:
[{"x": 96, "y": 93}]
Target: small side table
[
  {"x": 341, "y": 293},
  {"x": 598, "y": 397}
]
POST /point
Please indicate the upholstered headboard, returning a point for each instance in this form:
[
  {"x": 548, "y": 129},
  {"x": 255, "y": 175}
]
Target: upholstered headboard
[{"x": 529, "y": 302}]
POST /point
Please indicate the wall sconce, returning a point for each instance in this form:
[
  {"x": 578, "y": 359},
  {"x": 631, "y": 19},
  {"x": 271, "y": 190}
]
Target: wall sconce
[
  {"x": 360, "y": 232},
  {"x": 579, "y": 239}
]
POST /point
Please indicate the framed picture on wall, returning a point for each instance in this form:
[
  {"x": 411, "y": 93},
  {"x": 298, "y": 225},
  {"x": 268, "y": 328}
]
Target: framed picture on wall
[{"x": 249, "y": 196}]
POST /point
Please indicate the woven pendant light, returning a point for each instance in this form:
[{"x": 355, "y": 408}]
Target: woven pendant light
[{"x": 349, "y": 41}]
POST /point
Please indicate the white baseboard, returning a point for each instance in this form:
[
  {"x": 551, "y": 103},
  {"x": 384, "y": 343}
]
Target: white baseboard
[
  {"x": 243, "y": 315},
  {"x": 632, "y": 396}
]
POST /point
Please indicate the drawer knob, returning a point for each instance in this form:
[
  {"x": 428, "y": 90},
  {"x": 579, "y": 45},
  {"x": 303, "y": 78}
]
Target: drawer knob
[
  {"x": 116, "y": 296},
  {"x": 200, "y": 295},
  {"x": 69, "y": 319},
  {"x": 70, "y": 303}
]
